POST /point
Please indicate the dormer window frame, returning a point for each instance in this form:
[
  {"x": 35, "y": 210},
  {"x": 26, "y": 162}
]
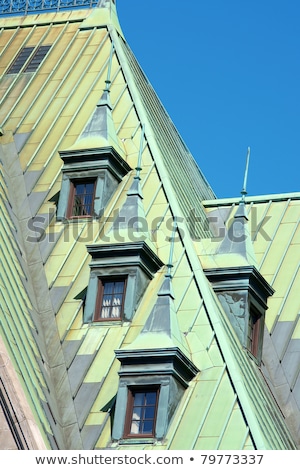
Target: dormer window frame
[
  {"x": 133, "y": 261},
  {"x": 247, "y": 282},
  {"x": 140, "y": 418},
  {"x": 166, "y": 370},
  {"x": 74, "y": 182},
  {"x": 104, "y": 165},
  {"x": 100, "y": 305}
]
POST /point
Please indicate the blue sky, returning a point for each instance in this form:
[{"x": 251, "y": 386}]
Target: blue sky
[{"x": 228, "y": 74}]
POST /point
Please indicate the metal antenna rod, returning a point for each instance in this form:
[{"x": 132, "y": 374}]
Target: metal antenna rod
[
  {"x": 172, "y": 240},
  {"x": 139, "y": 163},
  {"x": 108, "y": 81},
  {"x": 244, "y": 190}
]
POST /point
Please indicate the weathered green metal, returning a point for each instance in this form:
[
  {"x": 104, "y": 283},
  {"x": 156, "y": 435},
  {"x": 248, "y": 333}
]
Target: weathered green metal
[{"x": 53, "y": 113}]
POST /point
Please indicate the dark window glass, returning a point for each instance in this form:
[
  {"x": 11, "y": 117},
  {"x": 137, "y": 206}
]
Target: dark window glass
[
  {"x": 34, "y": 60},
  {"x": 81, "y": 201},
  {"x": 141, "y": 413},
  {"x": 253, "y": 333},
  {"x": 20, "y": 60},
  {"x": 110, "y": 299}
]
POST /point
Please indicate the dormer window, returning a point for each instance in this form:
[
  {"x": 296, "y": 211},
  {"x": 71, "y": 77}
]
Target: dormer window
[
  {"x": 81, "y": 198},
  {"x": 243, "y": 294},
  {"x": 90, "y": 177},
  {"x": 119, "y": 276},
  {"x": 141, "y": 412},
  {"x": 152, "y": 382},
  {"x": 110, "y": 299}
]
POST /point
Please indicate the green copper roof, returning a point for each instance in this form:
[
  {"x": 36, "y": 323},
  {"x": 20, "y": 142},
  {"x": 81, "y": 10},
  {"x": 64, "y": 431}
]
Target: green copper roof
[
  {"x": 18, "y": 316},
  {"x": 186, "y": 178},
  {"x": 273, "y": 221},
  {"x": 226, "y": 405}
]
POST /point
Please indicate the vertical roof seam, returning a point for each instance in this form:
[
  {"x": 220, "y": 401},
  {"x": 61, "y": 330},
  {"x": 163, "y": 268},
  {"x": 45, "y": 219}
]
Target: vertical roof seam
[
  {"x": 284, "y": 254},
  {"x": 209, "y": 405}
]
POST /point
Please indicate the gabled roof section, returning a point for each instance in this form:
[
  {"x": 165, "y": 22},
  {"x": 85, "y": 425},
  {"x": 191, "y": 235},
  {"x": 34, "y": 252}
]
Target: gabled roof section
[
  {"x": 236, "y": 248},
  {"x": 273, "y": 222}
]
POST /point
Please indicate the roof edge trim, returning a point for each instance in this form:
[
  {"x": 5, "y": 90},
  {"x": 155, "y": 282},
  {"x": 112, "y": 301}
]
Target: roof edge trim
[{"x": 257, "y": 199}]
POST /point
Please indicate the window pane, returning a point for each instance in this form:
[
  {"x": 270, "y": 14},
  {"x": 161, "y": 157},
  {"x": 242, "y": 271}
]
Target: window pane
[
  {"x": 37, "y": 58},
  {"x": 143, "y": 412},
  {"x": 79, "y": 188},
  {"x": 151, "y": 398},
  {"x": 83, "y": 198},
  {"x": 34, "y": 61},
  {"x": 147, "y": 427},
  {"x": 119, "y": 287},
  {"x": 149, "y": 412},
  {"x": 112, "y": 299},
  {"x": 108, "y": 287},
  {"x": 106, "y": 300},
  {"x": 115, "y": 312},
  {"x": 137, "y": 413},
  {"x": 135, "y": 427},
  {"x": 117, "y": 300},
  {"x": 138, "y": 398},
  {"x": 89, "y": 188},
  {"x": 18, "y": 63},
  {"x": 88, "y": 197}
]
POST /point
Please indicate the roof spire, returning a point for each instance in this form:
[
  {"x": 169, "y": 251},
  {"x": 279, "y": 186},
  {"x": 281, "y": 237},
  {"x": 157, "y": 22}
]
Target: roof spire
[
  {"x": 238, "y": 239},
  {"x": 100, "y": 131},
  {"x": 161, "y": 329},
  {"x": 131, "y": 223},
  {"x": 105, "y": 99}
]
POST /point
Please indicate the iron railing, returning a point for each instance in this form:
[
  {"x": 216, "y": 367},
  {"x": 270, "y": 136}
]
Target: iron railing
[{"x": 24, "y": 7}]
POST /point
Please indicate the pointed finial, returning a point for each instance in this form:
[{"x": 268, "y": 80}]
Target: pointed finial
[
  {"x": 244, "y": 190},
  {"x": 172, "y": 240},
  {"x": 108, "y": 81},
  {"x": 135, "y": 189},
  {"x": 139, "y": 163}
]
